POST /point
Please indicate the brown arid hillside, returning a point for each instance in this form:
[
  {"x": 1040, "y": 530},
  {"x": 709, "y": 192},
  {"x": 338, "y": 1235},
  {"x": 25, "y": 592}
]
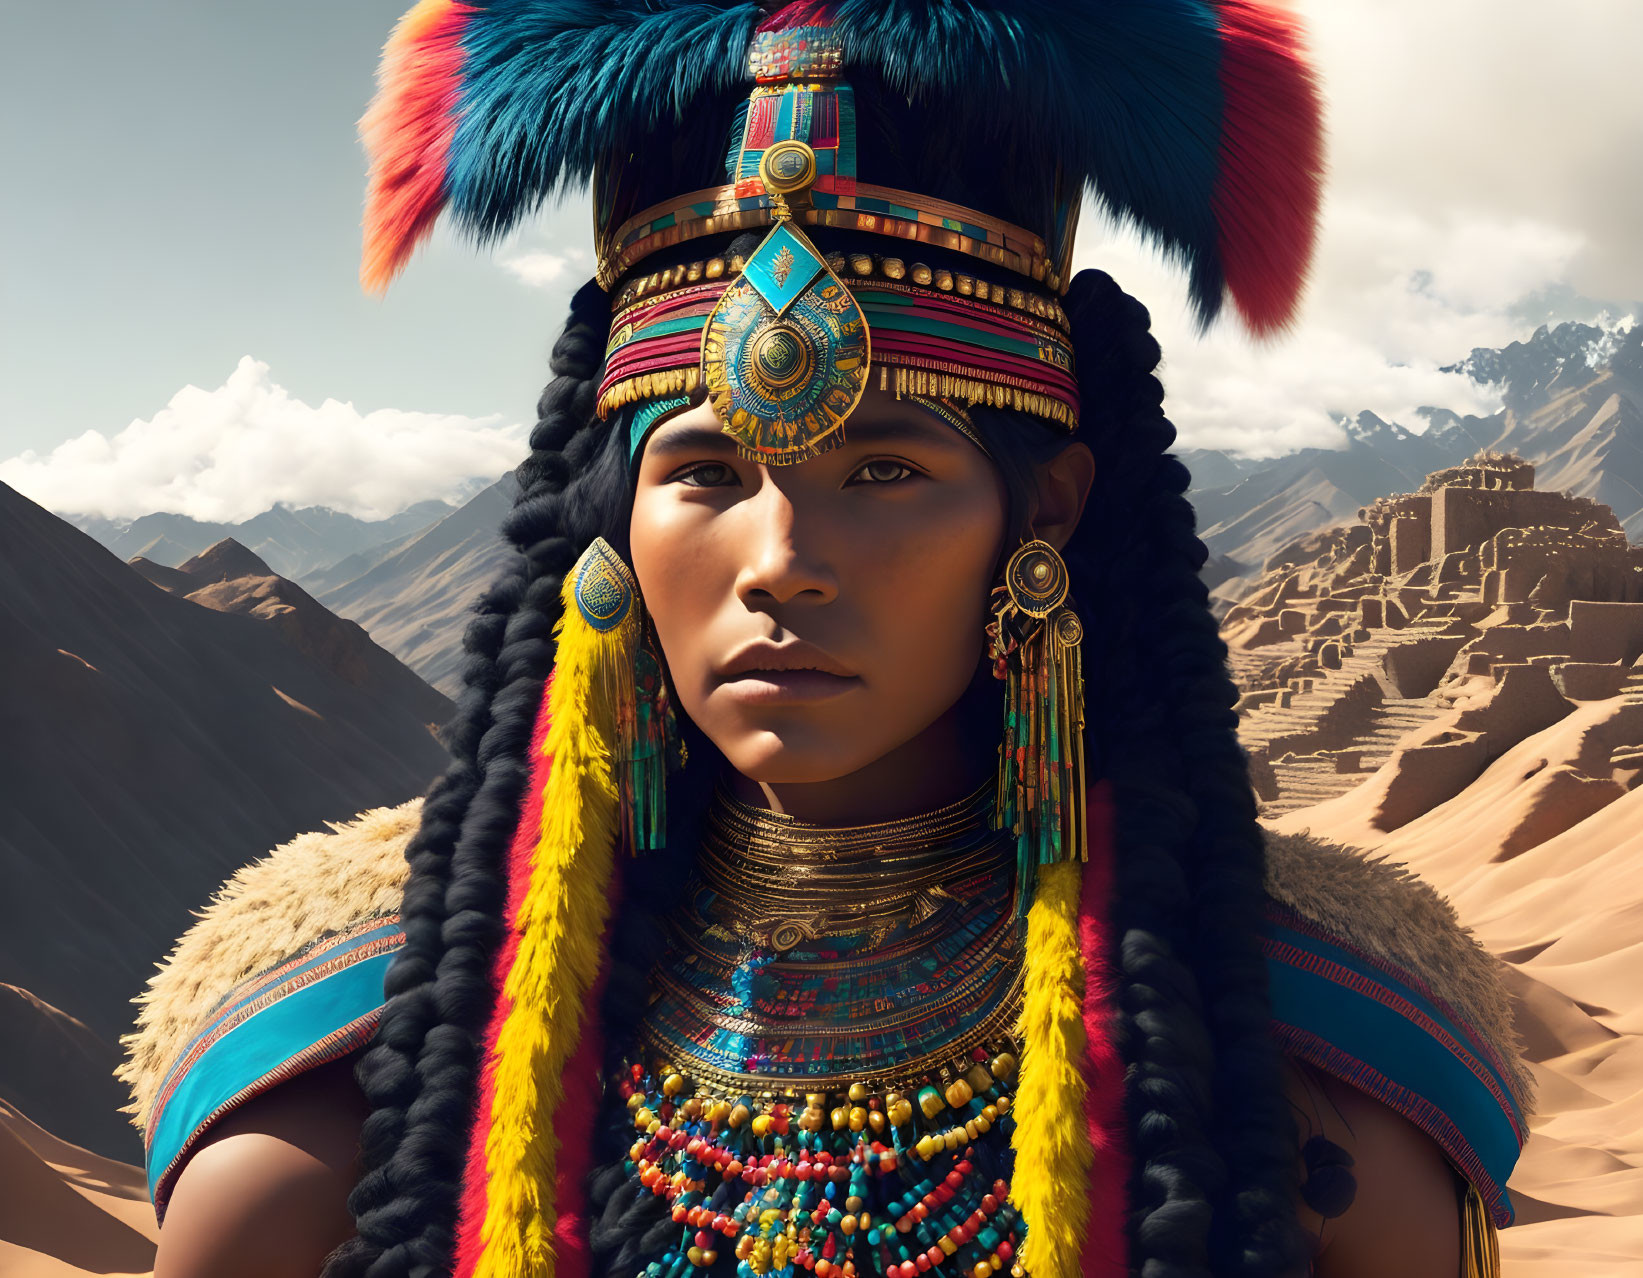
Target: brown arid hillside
[
  {"x": 66, "y": 1211},
  {"x": 153, "y": 746},
  {"x": 226, "y": 577},
  {"x": 1453, "y": 682},
  {"x": 415, "y": 600}
]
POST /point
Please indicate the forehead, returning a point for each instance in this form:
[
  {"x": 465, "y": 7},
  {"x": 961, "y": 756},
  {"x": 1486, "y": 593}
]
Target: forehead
[{"x": 879, "y": 420}]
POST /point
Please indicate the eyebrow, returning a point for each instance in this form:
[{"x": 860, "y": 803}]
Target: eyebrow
[{"x": 710, "y": 439}]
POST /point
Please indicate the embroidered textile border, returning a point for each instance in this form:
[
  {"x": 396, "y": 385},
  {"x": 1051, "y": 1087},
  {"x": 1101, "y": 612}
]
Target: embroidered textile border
[
  {"x": 343, "y": 1015},
  {"x": 960, "y": 347},
  {"x": 1406, "y": 1052}
]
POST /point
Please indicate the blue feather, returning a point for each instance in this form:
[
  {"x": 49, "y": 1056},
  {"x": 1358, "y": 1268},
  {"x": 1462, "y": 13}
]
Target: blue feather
[
  {"x": 550, "y": 89},
  {"x": 980, "y": 103}
]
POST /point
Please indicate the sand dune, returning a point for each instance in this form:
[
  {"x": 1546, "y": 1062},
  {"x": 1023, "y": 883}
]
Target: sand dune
[
  {"x": 67, "y": 1211},
  {"x": 1542, "y": 856}
]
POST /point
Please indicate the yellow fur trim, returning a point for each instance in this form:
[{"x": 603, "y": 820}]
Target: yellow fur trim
[
  {"x": 1052, "y": 1148},
  {"x": 561, "y": 924},
  {"x": 308, "y": 888}
]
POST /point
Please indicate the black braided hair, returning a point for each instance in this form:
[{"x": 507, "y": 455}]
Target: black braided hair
[
  {"x": 420, "y": 1073},
  {"x": 1213, "y": 1180}
]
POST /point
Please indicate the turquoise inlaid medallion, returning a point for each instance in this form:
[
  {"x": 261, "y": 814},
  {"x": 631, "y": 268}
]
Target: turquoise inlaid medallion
[
  {"x": 785, "y": 352},
  {"x": 783, "y": 267}
]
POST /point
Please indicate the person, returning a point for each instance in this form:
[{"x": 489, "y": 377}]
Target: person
[{"x": 847, "y": 863}]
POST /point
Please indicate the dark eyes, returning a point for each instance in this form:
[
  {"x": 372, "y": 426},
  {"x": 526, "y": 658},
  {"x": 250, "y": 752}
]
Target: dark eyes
[
  {"x": 707, "y": 475},
  {"x": 881, "y": 470}
]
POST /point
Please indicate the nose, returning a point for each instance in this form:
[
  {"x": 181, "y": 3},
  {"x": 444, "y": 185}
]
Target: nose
[{"x": 785, "y": 558}]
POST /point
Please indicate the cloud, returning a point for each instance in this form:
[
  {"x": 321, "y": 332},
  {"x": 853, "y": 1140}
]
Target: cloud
[
  {"x": 230, "y": 453},
  {"x": 1482, "y": 170},
  {"x": 543, "y": 255},
  {"x": 539, "y": 270}
]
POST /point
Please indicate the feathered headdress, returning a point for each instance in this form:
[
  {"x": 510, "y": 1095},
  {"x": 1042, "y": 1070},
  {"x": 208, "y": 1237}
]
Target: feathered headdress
[{"x": 1197, "y": 120}]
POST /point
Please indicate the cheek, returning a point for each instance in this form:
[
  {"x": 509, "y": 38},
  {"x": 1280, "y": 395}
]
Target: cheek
[
  {"x": 684, "y": 573},
  {"x": 929, "y": 601}
]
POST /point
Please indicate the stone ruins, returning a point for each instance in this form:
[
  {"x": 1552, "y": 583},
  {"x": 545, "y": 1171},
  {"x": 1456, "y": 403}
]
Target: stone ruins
[{"x": 1476, "y": 596}]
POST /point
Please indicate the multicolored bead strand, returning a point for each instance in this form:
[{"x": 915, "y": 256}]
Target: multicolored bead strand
[{"x": 845, "y": 1184}]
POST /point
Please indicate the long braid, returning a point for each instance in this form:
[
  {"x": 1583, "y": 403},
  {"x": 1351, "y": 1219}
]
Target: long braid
[
  {"x": 1212, "y": 1187},
  {"x": 420, "y": 1074}
]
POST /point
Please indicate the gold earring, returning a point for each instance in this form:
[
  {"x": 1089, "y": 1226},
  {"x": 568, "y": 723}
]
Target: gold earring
[
  {"x": 1034, "y": 643},
  {"x": 608, "y": 622}
]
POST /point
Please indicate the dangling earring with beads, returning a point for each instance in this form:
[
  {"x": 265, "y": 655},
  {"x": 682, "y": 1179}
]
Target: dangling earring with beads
[
  {"x": 1034, "y": 644},
  {"x": 607, "y": 621}
]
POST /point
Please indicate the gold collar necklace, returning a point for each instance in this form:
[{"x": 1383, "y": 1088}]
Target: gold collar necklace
[{"x": 780, "y": 882}]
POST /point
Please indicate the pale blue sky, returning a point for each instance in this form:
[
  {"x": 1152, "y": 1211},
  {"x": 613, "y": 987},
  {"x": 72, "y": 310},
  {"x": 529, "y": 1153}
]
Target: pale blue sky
[
  {"x": 183, "y": 188},
  {"x": 181, "y": 209}
]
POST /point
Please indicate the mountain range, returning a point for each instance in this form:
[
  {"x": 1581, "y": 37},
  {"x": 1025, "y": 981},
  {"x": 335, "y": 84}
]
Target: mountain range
[
  {"x": 414, "y": 595},
  {"x": 293, "y": 541},
  {"x": 163, "y": 726},
  {"x": 1572, "y": 399}
]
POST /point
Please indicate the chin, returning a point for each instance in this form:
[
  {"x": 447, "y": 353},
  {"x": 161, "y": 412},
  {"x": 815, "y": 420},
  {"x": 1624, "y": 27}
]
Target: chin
[{"x": 800, "y": 757}]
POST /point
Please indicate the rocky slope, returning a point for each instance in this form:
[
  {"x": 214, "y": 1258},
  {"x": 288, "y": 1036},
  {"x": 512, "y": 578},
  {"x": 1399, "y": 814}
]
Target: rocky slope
[
  {"x": 227, "y": 577},
  {"x": 155, "y": 745},
  {"x": 415, "y": 601}
]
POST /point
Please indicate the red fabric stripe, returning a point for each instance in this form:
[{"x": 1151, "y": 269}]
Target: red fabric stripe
[
  {"x": 1106, "y": 1248},
  {"x": 474, "y": 1200},
  {"x": 583, "y": 1097},
  {"x": 761, "y": 124},
  {"x": 1270, "y": 182}
]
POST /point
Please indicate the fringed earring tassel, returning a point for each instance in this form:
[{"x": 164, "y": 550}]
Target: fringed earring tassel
[
  {"x": 1035, "y": 646},
  {"x": 604, "y": 605},
  {"x": 649, "y": 749},
  {"x": 1480, "y": 1244}
]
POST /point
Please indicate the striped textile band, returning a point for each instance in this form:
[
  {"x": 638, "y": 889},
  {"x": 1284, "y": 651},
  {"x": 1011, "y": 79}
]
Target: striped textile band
[
  {"x": 835, "y": 202},
  {"x": 317, "y": 1006},
  {"x": 944, "y": 345},
  {"x": 1380, "y": 1029}
]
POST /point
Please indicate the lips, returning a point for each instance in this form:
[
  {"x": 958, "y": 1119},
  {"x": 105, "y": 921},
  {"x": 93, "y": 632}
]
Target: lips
[
  {"x": 764, "y": 672},
  {"x": 764, "y": 656}
]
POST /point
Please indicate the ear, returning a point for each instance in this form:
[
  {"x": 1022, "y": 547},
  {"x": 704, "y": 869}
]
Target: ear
[{"x": 1064, "y": 484}]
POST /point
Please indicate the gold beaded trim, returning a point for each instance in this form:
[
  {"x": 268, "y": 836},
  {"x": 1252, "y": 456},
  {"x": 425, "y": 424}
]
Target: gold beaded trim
[
  {"x": 858, "y": 266},
  {"x": 1021, "y": 251},
  {"x": 998, "y": 1037}
]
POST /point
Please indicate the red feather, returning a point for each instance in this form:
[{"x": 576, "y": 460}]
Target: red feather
[
  {"x": 407, "y": 133},
  {"x": 1106, "y": 1247},
  {"x": 521, "y": 856},
  {"x": 1271, "y": 176}
]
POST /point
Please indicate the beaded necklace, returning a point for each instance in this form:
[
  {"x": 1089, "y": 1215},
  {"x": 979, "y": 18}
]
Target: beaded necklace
[{"x": 825, "y": 1077}]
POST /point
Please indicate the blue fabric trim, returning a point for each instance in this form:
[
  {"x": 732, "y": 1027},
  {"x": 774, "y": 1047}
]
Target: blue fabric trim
[
  {"x": 249, "y": 990},
  {"x": 258, "y": 1047},
  {"x": 1359, "y": 1029}
]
